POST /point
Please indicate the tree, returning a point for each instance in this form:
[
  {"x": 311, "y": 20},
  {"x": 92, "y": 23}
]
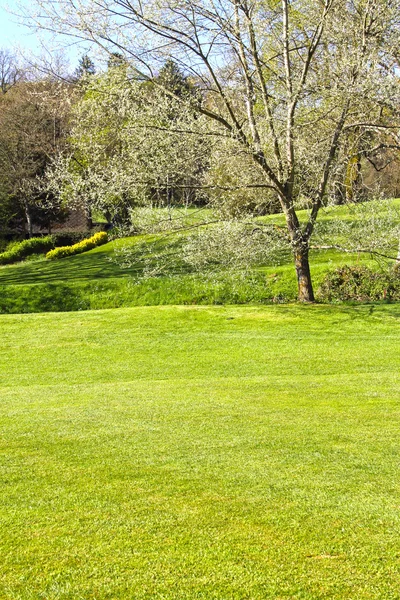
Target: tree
[
  {"x": 86, "y": 68},
  {"x": 284, "y": 81},
  {"x": 171, "y": 83},
  {"x": 10, "y": 71},
  {"x": 171, "y": 78},
  {"x": 32, "y": 128},
  {"x": 126, "y": 146},
  {"x": 116, "y": 60}
]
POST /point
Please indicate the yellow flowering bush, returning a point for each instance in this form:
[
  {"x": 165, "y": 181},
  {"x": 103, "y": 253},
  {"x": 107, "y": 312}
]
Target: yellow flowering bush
[{"x": 96, "y": 240}]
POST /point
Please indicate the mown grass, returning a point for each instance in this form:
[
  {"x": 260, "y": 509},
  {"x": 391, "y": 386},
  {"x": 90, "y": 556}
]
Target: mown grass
[
  {"x": 94, "y": 280},
  {"x": 200, "y": 453}
]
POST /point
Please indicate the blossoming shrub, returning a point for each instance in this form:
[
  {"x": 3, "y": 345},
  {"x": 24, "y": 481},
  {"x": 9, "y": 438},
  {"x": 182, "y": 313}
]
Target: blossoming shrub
[
  {"x": 26, "y": 248},
  {"x": 96, "y": 240}
]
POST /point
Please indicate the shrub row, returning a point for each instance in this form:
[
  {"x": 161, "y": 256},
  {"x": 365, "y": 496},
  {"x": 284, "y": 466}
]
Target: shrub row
[
  {"x": 96, "y": 240},
  {"x": 360, "y": 284},
  {"x": 68, "y": 238},
  {"x": 27, "y": 248}
]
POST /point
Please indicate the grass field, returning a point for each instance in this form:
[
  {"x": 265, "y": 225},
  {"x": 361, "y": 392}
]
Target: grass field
[{"x": 201, "y": 453}]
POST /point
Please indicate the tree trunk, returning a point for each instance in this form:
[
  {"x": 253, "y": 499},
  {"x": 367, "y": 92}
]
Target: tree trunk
[
  {"x": 302, "y": 264},
  {"x": 300, "y": 246},
  {"x": 89, "y": 220},
  {"x": 28, "y": 219}
]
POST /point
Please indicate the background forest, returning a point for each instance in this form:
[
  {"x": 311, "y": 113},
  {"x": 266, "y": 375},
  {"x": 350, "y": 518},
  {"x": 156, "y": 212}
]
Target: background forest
[{"x": 111, "y": 143}]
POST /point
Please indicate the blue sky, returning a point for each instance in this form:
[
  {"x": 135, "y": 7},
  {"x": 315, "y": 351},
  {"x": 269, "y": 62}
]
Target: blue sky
[{"x": 14, "y": 34}]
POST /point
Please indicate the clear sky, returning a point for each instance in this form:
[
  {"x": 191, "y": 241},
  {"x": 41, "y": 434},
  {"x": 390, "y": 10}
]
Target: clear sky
[{"x": 14, "y": 34}]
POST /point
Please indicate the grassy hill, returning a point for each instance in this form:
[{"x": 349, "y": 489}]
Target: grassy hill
[
  {"x": 94, "y": 280},
  {"x": 200, "y": 453}
]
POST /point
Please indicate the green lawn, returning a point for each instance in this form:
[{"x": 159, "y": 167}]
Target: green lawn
[{"x": 201, "y": 453}]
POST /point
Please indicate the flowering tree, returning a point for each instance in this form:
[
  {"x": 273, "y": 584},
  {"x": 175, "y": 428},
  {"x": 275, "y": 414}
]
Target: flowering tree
[
  {"x": 303, "y": 88},
  {"x": 126, "y": 145}
]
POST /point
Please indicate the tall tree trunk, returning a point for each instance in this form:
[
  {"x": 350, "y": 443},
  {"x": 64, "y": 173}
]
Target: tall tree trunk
[
  {"x": 28, "y": 218},
  {"x": 304, "y": 283}
]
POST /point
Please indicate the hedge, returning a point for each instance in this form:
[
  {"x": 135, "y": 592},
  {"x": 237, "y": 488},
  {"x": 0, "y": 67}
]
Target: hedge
[
  {"x": 26, "y": 248},
  {"x": 96, "y": 240},
  {"x": 69, "y": 238}
]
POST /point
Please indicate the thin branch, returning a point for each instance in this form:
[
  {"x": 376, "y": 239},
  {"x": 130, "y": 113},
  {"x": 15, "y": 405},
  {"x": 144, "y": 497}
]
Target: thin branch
[{"x": 353, "y": 251}]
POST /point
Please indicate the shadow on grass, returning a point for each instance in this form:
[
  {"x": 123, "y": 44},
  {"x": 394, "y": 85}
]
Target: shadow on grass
[
  {"x": 88, "y": 266},
  {"x": 95, "y": 265},
  {"x": 56, "y": 297}
]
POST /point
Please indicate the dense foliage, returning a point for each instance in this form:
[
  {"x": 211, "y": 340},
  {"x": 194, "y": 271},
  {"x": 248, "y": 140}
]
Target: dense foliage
[
  {"x": 33, "y": 126},
  {"x": 360, "y": 284}
]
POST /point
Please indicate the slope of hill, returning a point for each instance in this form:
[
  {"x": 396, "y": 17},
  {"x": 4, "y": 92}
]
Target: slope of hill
[{"x": 94, "y": 280}]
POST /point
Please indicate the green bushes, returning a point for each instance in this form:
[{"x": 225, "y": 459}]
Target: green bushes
[
  {"x": 17, "y": 251},
  {"x": 26, "y": 248},
  {"x": 96, "y": 240},
  {"x": 69, "y": 238},
  {"x": 360, "y": 284}
]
